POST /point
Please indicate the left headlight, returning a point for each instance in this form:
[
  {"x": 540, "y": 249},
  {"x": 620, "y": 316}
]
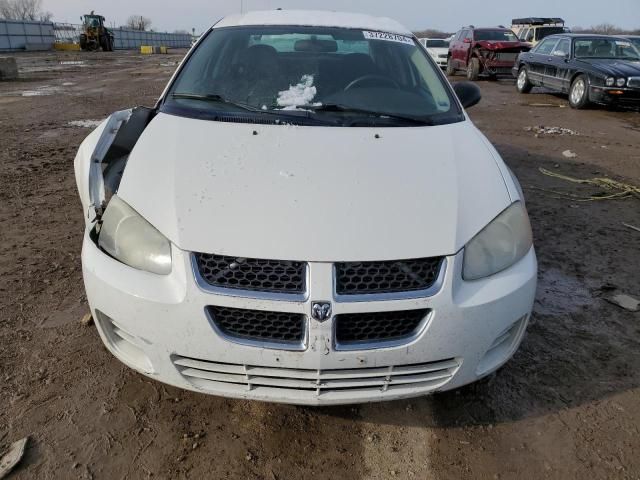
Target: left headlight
[
  {"x": 128, "y": 237},
  {"x": 621, "y": 82},
  {"x": 503, "y": 242}
]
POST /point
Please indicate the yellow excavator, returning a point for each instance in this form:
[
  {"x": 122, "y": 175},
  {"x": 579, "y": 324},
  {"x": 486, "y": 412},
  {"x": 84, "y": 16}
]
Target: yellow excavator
[{"x": 94, "y": 34}]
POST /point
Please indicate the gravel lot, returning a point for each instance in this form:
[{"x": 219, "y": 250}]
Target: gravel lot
[{"x": 567, "y": 405}]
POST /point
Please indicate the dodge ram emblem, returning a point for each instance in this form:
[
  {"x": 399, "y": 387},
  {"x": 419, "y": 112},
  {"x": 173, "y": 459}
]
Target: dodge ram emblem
[{"x": 321, "y": 311}]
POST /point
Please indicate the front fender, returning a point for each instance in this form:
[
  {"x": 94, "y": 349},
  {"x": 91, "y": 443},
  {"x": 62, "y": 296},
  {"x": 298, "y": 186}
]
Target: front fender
[{"x": 88, "y": 164}]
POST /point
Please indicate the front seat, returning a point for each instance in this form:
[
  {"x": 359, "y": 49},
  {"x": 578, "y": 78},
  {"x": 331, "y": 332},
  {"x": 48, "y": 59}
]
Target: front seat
[
  {"x": 257, "y": 76},
  {"x": 602, "y": 50}
]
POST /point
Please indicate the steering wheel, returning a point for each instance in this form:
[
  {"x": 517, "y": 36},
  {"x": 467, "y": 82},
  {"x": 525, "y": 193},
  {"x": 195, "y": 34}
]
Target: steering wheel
[{"x": 372, "y": 78}]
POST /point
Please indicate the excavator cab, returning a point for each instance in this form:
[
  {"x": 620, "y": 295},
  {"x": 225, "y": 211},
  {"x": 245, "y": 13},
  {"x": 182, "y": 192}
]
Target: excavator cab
[{"x": 94, "y": 34}]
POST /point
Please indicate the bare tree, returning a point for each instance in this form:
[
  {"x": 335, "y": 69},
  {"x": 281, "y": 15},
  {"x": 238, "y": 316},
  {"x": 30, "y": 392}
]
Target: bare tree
[
  {"x": 23, "y": 10},
  {"x": 138, "y": 22},
  {"x": 432, "y": 33},
  {"x": 45, "y": 16},
  {"x": 605, "y": 29}
]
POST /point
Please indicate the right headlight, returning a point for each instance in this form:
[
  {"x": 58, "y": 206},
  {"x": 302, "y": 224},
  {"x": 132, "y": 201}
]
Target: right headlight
[
  {"x": 610, "y": 81},
  {"x": 129, "y": 238},
  {"x": 503, "y": 242}
]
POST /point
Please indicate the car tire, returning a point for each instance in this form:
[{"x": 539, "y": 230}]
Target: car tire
[
  {"x": 522, "y": 83},
  {"x": 473, "y": 69},
  {"x": 451, "y": 71},
  {"x": 579, "y": 92}
]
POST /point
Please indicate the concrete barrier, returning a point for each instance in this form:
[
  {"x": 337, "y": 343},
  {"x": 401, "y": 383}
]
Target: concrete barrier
[
  {"x": 8, "y": 68},
  {"x": 150, "y": 49},
  {"x": 67, "y": 47}
]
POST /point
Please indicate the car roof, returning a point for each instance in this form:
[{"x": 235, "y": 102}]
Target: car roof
[
  {"x": 503, "y": 29},
  {"x": 314, "y": 18},
  {"x": 586, "y": 35}
]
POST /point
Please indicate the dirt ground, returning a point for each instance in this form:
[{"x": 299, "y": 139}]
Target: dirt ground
[{"x": 567, "y": 405}]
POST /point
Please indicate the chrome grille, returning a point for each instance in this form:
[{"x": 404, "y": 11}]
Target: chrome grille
[
  {"x": 375, "y": 329},
  {"x": 279, "y": 328},
  {"x": 311, "y": 384},
  {"x": 362, "y": 278},
  {"x": 251, "y": 274}
]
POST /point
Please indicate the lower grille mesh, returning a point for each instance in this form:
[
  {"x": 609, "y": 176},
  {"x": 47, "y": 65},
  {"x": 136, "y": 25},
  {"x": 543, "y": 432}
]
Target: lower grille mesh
[
  {"x": 354, "y": 328},
  {"x": 258, "y": 325},
  {"x": 309, "y": 384}
]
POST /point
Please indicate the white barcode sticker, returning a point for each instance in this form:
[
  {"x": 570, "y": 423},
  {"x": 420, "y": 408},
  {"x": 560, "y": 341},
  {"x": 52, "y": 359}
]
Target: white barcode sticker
[{"x": 389, "y": 37}]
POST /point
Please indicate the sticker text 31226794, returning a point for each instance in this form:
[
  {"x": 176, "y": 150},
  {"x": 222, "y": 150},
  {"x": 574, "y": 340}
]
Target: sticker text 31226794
[{"x": 389, "y": 37}]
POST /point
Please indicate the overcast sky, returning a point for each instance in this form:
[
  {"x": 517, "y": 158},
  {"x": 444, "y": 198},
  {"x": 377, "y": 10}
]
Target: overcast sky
[{"x": 446, "y": 15}]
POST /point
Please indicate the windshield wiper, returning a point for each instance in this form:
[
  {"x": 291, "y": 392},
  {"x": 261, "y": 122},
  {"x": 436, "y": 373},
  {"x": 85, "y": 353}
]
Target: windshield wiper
[
  {"x": 214, "y": 97},
  {"x": 336, "y": 107}
]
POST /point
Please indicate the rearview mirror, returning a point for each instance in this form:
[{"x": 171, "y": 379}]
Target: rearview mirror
[{"x": 468, "y": 93}]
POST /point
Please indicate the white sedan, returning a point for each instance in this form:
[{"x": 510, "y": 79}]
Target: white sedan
[
  {"x": 438, "y": 50},
  {"x": 306, "y": 216}
]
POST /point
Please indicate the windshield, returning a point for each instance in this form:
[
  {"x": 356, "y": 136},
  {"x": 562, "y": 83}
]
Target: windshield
[
  {"x": 437, "y": 44},
  {"x": 495, "y": 35},
  {"x": 635, "y": 41},
  {"x": 543, "y": 32},
  {"x": 323, "y": 73},
  {"x": 605, "y": 48}
]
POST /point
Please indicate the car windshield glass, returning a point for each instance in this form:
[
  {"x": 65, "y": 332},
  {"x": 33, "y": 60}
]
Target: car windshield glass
[
  {"x": 636, "y": 42},
  {"x": 291, "y": 71},
  {"x": 605, "y": 48},
  {"x": 437, "y": 44},
  {"x": 496, "y": 35},
  {"x": 543, "y": 32}
]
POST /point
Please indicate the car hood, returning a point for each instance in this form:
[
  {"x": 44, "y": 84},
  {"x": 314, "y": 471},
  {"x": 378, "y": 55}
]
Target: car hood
[
  {"x": 614, "y": 67},
  {"x": 314, "y": 193},
  {"x": 438, "y": 50}
]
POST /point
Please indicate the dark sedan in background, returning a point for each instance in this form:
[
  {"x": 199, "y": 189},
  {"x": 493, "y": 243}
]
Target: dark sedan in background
[{"x": 589, "y": 68}]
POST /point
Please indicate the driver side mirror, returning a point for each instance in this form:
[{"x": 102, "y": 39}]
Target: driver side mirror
[{"x": 468, "y": 93}]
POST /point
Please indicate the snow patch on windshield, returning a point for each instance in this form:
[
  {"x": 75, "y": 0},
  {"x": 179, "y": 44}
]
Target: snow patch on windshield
[{"x": 298, "y": 95}]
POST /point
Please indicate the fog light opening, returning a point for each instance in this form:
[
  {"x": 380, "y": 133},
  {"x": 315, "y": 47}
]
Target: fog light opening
[
  {"x": 123, "y": 344},
  {"x": 502, "y": 347}
]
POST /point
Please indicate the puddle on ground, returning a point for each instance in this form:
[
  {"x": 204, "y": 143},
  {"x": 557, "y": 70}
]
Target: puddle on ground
[
  {"x": 41, "y": 91},
  {"x": 73, "y": 62},
  {"x": 84, "y": 123},
  {"x": 561, "y": 294}
]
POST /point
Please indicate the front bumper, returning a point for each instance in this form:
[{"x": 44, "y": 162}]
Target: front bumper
[
  {"x": 158, "y": 326},
  {"x": 626, "y": 97},
  {"x": 494, "y": 66}
]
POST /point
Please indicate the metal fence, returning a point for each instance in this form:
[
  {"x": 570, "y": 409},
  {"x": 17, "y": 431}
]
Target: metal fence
[
  {"x": 22, "y": 35},
  {"x": 133, "y": 39}
]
